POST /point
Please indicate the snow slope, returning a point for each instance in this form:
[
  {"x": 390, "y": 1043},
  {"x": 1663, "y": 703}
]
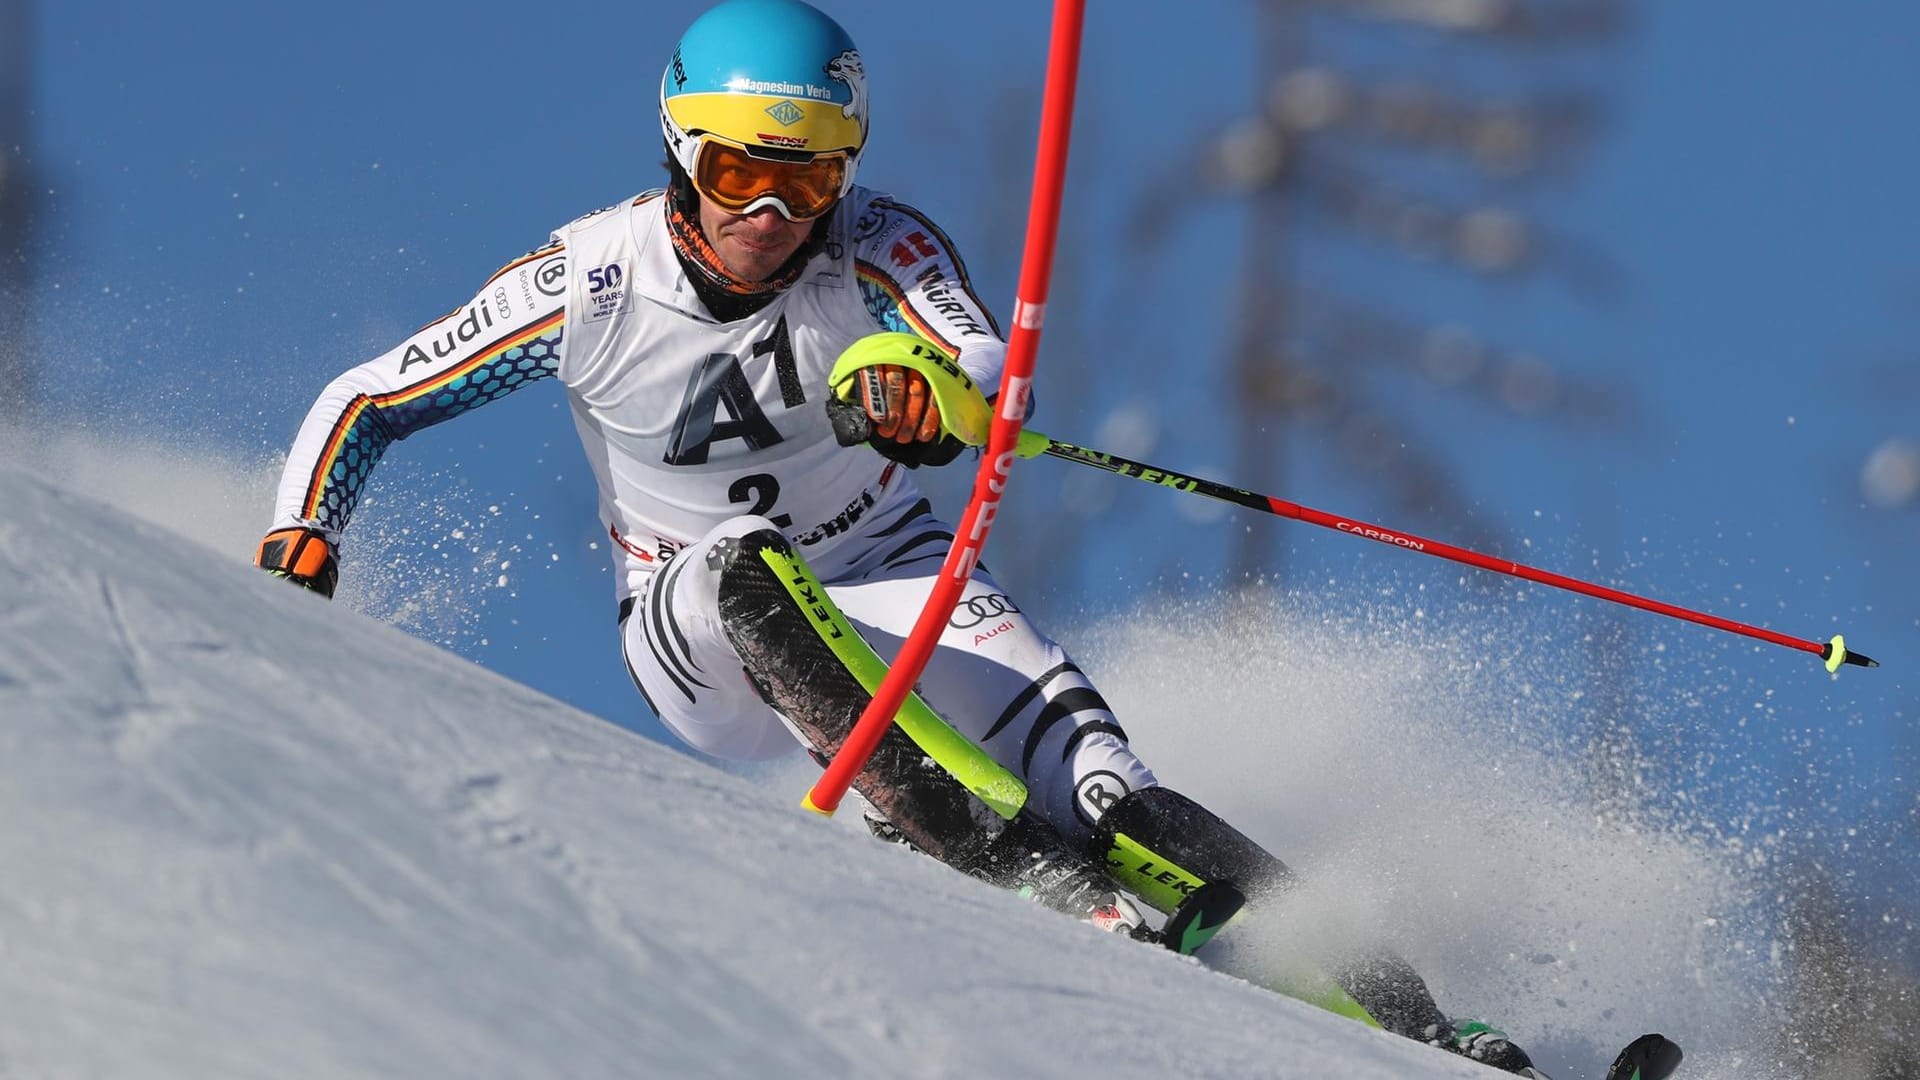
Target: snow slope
[{"x": 245, "y": 833}]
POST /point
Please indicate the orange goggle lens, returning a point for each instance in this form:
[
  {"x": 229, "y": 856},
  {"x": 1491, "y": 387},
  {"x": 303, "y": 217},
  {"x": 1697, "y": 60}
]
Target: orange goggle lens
[{"x": 735, "y": 179}]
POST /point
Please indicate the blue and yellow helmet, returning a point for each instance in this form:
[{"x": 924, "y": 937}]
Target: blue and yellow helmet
[{"x": 777, "y": 78}]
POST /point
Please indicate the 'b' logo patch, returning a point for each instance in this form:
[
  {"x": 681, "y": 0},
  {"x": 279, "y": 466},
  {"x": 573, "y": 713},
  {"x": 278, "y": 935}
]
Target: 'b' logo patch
[{"x": 1096, "y": 793}]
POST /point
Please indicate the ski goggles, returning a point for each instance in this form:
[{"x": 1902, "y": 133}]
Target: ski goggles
[{"x": 738, "y": 182}]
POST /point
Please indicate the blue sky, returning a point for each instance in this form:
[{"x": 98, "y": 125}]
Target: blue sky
[{"x": 248, "y": 198}]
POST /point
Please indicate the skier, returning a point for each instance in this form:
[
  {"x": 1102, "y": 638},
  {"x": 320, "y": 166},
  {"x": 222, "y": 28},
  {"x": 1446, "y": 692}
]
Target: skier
[{"x": 694, "y": 328}]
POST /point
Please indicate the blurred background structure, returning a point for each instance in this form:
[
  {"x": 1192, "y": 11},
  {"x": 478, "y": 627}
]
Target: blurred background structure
[
  {"x": 1352, "y": 138},
  {"x": 16, "y": 202},
  {"x": 1394, "y": 156}
]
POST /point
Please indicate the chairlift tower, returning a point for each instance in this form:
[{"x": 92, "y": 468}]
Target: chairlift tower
[{"x": 1400, "y": 156}]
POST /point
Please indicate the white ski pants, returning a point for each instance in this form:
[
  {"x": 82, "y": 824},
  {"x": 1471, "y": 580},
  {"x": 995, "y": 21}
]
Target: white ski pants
[{"x": 994, "y": 676}]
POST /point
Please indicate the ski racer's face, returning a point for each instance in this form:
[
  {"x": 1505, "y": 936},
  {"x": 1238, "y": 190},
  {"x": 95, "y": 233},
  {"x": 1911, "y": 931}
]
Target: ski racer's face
[{"x": 752, "y": 246}]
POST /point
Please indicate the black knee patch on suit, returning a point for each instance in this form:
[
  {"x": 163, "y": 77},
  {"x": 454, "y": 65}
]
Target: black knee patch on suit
[{"x": 1162, "y": 847}]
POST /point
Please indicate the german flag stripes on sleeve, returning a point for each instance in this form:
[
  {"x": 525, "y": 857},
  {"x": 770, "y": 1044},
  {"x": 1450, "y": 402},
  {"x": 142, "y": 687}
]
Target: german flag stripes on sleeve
[
  {"x": 504, "y": 338},
  {"x": 912, "y": 280}
]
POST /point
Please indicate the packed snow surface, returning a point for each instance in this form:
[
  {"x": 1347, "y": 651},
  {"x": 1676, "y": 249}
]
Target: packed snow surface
[{"x": 245, "y": 832}]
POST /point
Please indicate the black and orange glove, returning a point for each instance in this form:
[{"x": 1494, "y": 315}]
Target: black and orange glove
[
  {"x": 900, "y": 404},
  {"x": 904, "y": 418},
  {"x": 884, "y": 396},
  {"x": 302, "y": 556}
]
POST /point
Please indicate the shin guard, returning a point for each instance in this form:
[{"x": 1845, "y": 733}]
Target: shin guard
[
  {"x": 798, "y": 673},
  {"x": 1181, "y": 858},
  {"x": 1162, "y": 847}
]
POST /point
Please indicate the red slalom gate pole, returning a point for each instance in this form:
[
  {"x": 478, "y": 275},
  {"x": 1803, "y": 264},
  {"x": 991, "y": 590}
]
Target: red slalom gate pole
[{"x": 1016, "y": 384}]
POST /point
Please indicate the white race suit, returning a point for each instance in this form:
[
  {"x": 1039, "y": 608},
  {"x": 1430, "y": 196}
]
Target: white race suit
[{"x": 697, "y": 430}]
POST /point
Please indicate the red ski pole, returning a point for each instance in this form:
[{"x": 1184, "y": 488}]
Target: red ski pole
[
  {"x": 990, "y": 483},
  {"x": 1034, "y": 444}
]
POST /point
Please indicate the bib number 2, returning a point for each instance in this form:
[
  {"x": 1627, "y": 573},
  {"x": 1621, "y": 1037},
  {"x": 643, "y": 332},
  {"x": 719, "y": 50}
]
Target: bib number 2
[{"x": 763, "y": 490}]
